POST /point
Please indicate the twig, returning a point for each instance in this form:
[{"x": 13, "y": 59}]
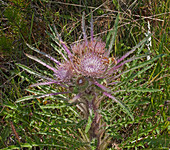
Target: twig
[{"x": 16, "y": 134}]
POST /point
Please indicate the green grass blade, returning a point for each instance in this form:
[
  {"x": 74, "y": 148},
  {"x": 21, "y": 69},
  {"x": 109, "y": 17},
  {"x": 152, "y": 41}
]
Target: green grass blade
[
  {"x": 112, "y": 33},
  {"x": 143, "y": 90}
]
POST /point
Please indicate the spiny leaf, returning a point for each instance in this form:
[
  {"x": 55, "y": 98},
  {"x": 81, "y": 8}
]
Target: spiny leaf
[
  {"x": 11, "y": 106},
  {"x": 60, "y": 43},
  {"x": 134, "y": 75},
  {"x": 140, "y": 65},
  {"x": 46, "y": 55},
  {"x": 34, "y": 72},
  {"x": 121, "y": 104},
  {"x": 38, "y": 96},
  {"x": 31, "y": 145},
  {"x": 52, "y": 106},
  {"x": 115, "y": 67},
  {"x": 58, "y": 50},
  {"x": 41, "y": 62},
  {"x": 134, "y": 48}
]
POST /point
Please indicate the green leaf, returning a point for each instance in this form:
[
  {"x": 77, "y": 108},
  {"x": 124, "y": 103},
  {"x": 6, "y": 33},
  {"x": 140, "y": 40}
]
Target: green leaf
[
  {"x": 25, "y": 98},
  {"x": 81, "y": 123},
  {"x": 36, "y": 50},
  {"x": 46, "y": 55},
  {"x": 59, "y": 50},
  {"x": 54, "y": 38},
  {"x": 5, "y": 133}
]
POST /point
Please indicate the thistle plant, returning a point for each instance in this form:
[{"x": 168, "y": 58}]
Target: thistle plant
[{"x": 87, "y": 74}]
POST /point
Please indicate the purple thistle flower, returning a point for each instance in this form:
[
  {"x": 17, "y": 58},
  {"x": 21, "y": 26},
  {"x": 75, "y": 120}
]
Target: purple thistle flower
[
  {"x": 90, "y": 58},
  {"x": 91, "y": 65}
]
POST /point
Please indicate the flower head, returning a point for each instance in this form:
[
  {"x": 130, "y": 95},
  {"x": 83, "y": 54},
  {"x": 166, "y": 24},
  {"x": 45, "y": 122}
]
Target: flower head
[
  {"x": 64, "y": 72},
  {"x": 91, "y": 65}
]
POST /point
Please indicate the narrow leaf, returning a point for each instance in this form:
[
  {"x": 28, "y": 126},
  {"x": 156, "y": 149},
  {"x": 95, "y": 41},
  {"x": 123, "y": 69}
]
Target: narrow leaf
[
  {"x": 43, "y": 83},
  {"x": 134, "y": 75},
  {"x": 114, "y": 68},
  {"x": 114, "y": 32},
  {"x": 134, "y": 48},
  {"x": 59, "y": 51},
  {"x": 140, "y": 65},
  {"x": 91, "y": 25},
  {"x": 83, "y": 28},
  {"x": 46, "y": 55},
  {"x": 38, "y": 96},
  {"x": 120, "y": 103},
  {"x": 41, "y": 62},
  {"x": 144, "y": 90},
  {"x": 61, "y": 41},
  {"x": 52, "y": 106},
  {"x": 34, "y": 72}
]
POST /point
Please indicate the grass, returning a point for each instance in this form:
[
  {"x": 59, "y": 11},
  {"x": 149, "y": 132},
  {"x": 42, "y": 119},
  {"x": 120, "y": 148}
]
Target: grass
[{"x": 49, "y": 123}]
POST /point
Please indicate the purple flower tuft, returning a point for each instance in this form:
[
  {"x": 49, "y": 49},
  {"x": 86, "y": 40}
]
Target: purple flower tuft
[{"x": 92, "y": 65}]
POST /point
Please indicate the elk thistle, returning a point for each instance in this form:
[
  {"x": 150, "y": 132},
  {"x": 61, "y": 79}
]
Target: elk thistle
[{"x": 87, "y": 73}]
